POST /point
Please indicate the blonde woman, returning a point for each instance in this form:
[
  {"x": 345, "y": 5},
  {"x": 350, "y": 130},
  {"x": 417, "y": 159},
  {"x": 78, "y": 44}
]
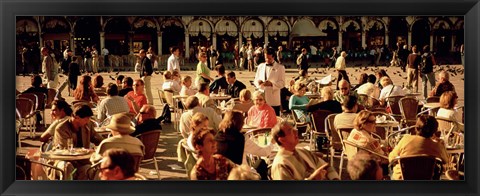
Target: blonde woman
[
  {"x": 363, "y": 127},
  {"x": 187, "y": 87}
]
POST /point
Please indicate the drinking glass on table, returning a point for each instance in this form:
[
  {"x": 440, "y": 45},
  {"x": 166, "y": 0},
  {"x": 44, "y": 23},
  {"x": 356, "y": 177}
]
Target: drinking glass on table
[{"x": 70, "y": 144}]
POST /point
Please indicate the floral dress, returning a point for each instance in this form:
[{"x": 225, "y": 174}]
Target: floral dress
[{"x": 223, "y": 166}]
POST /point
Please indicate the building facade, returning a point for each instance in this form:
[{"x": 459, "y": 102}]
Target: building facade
[{"x": 124, "y": 35}]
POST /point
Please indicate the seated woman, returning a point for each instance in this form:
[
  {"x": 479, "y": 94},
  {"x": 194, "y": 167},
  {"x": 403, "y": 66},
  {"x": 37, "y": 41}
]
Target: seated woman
[
  {"x": 187, "y": 87},
  {"x": 261, "y": 115},
  {"x": 197, "y": 122},
  {"x": 421, "y": 143},
  {"x": 232, "y": 144},
  {"x": 328, "y": 103},
  {"x": 448, "y": 100},
  {"x": 98, "y": 87},
  {"x": 85, "y": 92},
  {"x": 169, "y": 84},
  {"x": 244, "y": 102},
  {"x": 363, "y": 126},
  {"x": 298, "y": 102},
  {"x": 361, "y": 80},
  {"x": 209, "y": 166}
]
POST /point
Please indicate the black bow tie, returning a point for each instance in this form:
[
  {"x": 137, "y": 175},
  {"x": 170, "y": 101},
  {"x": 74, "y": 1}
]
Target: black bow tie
[{"x": 269, "y": 64}]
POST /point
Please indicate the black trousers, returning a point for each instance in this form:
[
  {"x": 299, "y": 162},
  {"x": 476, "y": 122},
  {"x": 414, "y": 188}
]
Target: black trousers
[
  {"x": 277, "y": 110},
  {"x": 342, "y": 74}
]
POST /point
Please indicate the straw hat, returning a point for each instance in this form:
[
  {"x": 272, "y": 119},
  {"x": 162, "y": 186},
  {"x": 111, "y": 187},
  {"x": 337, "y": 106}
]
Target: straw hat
[{"x": 121, "y": 123}]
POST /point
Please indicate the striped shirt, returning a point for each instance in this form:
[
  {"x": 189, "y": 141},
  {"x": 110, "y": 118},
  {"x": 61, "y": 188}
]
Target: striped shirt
[{"x": 110, "y": 106}]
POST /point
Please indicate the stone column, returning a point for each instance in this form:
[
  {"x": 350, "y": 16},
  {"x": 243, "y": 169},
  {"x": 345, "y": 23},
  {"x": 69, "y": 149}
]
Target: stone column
[
  {"x": 159, "y": 40},
  {"x": 187, "y": 46},
  {"x": 130, "y": 41},
  {"x": 339, "y": 48},
  {"x": 102, "y": 41},
  {"x": 409, "y": 40},
  {"x": 240, "y": 40},
  {"x": 265, "y": 35},
  {"x": 431, "y": 41},
  {"x": 72, "y": 47},
  {"x": 452, "y": 43},
  {"x": 364, "y": 39},
  {"x": 386, "y": 38},
  {"x": 214, "y": 40}
]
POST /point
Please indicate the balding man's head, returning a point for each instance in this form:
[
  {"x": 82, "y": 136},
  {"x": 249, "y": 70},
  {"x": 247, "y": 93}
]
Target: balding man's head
[
  {"x": 444, "y": 76},
  {"x": 344, "y": 87},
  {"x": 146, "y": 112}
]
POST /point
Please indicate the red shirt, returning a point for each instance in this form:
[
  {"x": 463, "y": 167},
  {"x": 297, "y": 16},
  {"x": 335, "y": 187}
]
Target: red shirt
[{"x": 140, "y": 99}]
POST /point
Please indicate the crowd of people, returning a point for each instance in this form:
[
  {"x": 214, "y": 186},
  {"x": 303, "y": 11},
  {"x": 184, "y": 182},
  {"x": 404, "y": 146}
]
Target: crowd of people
[{"x": 216, "y": 136}]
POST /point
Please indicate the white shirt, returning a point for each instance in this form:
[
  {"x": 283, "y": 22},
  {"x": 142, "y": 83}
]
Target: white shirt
[
  {"x": 253, "y": 148},
  {"x": 105, "y": 51},
  {"x": 340, "y": 63},
  {"x": 110, "y": 106},
  {"x": 313, "y": 50},
  {"x": 368, "y": 89},
  {"x": 172, "y": 63},
  {"x": 171, "y": 85},
  {"x": 188, "y": 91},
  {"x": 184, "y": 124},
  {"x": 397, "y": 91}
]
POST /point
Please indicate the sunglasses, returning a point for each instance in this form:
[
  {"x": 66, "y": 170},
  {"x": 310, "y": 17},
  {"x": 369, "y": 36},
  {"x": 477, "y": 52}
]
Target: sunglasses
[
  {"x": 137, "y": 85},
  {"x": 343, "y": 88}
]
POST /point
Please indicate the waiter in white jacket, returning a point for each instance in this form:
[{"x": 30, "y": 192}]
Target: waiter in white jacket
[{"x": 270, "y": 78}]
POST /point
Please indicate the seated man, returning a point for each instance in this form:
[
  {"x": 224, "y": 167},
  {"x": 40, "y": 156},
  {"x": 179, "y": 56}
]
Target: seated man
[
  {"x": 221, "y": 81},
  {"x": 369, "y": 88},
  {"x": 234, "y": 86},
  {"x": 389, "y": 90},
  {"x": 193, "y": 106},
  {"x": 126, "y": 87},
  {"x": 146, "y": 120},
  {"x": 112, "y": 104},
  {"x": 169, "y": 84},
  {"x": 80, "y": 129},
  {"x": 203, "y": 96},
  {"x": 344, "y": 91},
  {"x": 117, "y": 164},
  {"x": 61, "y": 112},
  {"x": 120, "y": 128},
  {"x": 327, "y": 102},
  {"x": 345, "y": 119},
  {"x": 293, "y": 163},
  {"x": 136, "y": 98},
  {"x": 364, "y": 167},
  {"x": 443, "y": 85}
]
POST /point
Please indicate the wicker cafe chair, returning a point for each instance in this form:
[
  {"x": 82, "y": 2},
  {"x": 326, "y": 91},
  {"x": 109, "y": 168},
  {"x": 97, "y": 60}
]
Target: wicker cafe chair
[
  {"x": 26, "y": 110},
  {"x": 393, "y": 103},
  {"x": 433, "y": 99},
  {"x": 301, "y": 125},
  {"x": 318, "y": 125},
  {"x": 360, "y": 148},
  {"x": 408, "y": 108},
  {"x": 395, "y": 137},
  {"x": 449, "y": 130},
  {"x": 161, "y": 96},
  {"x": 342, "y": 133},
  {"x": 334, "y": 141},
  {"x": 150, "y": 141},
  {"x": 39, "y": 171},
  {"x": 419, "y": 167}
]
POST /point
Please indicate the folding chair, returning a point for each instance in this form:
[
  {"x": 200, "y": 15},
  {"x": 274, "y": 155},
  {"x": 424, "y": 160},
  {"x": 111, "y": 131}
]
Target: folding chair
[
  {"x": 25, "y": 109},
  {"x": 342, "y": 133},
  {"x": 408, "y": 109},
  {"x": 318, "y": 118}
]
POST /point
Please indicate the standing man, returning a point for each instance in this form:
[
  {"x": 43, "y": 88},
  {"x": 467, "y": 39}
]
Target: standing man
[
  {"x": 270, "y": 78},
  {"x": 212, "y": 56},
  {"x": 428, "y": 60},
  {"x": 403, "y": 55},
  {"x": 47, "y": 66},
  {"x": 341, "y": 65},
  {"x": 243, "y": 57},
  {"x": 106, "y": 63},
  {"x": 279, "y": 54},
  {"x": 173, "y": 62},
  {"x": 88, "y": 60},
  {"x": 302, "y": 60},
  {"x": 334, "y": 56},
  {"x": 146, "y": 74},
  {"x": 95, "y": 56},
  {"x": 462, "y": 54},
  {"x": 413, "y": 61},
  {"x": 25, "y": 60}
]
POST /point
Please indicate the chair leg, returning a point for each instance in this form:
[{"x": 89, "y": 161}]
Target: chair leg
[
  {"x": 156, "y": 167},
  {"x": 332, "y": 153},
  {"x": 340, "y": 167}
]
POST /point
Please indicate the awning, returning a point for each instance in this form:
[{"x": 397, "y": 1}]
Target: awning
[
  {"x": 227, "y": 27},
  {"x": 252, "y": 27},
  {"x": 200, "y": 26},
  {"x": 278, "y": 26},
  {"x": 305, "y": 28}
]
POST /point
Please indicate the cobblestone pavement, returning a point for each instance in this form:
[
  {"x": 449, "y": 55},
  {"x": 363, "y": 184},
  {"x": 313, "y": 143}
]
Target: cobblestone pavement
[{"x": 170, "y": 168}]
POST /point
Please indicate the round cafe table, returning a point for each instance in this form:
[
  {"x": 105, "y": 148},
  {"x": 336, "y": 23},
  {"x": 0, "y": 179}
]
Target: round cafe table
[{"x": 67, "y": 157}]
